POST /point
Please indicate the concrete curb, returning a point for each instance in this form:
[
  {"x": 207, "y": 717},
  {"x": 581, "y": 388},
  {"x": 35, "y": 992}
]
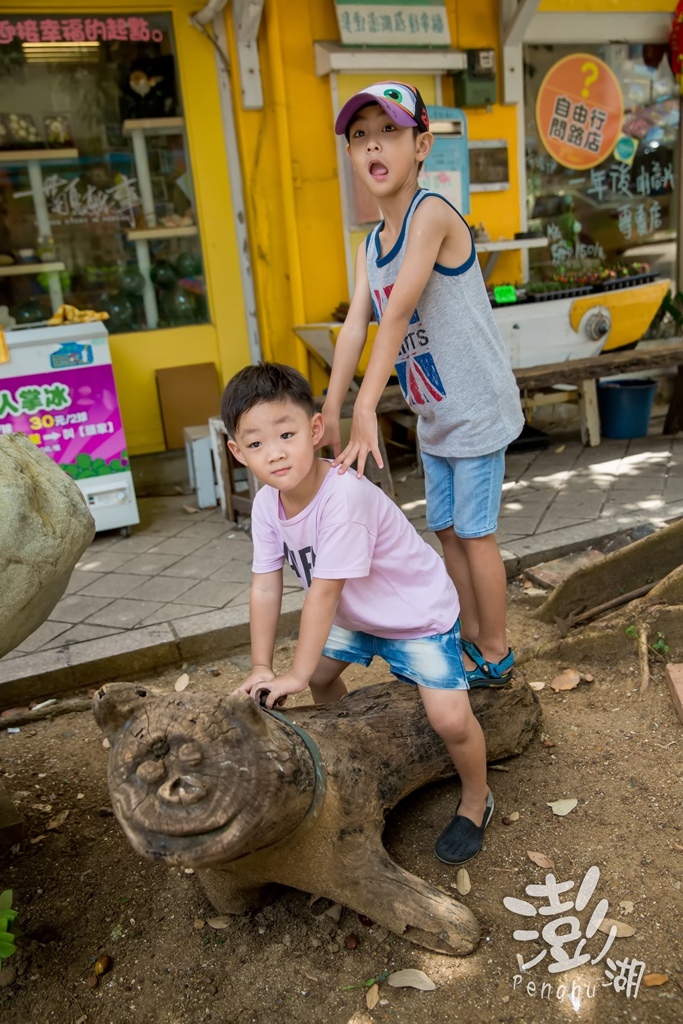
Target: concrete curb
[
  {"x": 544, "y": 547},
  {"x": 132, "y": 653}
]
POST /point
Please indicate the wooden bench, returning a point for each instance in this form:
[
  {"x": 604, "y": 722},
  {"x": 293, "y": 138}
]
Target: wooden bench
[{"x": 584, "y": 373}]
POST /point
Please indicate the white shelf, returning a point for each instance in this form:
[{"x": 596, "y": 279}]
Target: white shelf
[
  {"x": 153, "y": 234},
  {"x": 23, "y": 156},
  {"x": 154, "y": 125},
  {"x": 511, "y": 244},
  {"x": 21, "y": 269},
  {"x": 333, "y": 57}
]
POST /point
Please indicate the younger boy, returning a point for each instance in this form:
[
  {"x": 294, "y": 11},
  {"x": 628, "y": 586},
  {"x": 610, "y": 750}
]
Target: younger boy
[
  {"x": 373, "y": 585},
  {"x": 419, "y": 273}
]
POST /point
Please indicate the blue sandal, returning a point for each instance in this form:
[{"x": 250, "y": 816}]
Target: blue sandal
[{"x": 489, "y": 674}]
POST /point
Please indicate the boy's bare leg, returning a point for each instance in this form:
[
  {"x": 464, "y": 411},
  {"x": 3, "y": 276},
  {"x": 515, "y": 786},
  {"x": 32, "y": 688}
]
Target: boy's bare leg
[
  {"x": 476, "y": 567},
  {"x": 326, "y": 682},
  {"x": 451, "y": 716},
  {"x": 458, "y": 568}
]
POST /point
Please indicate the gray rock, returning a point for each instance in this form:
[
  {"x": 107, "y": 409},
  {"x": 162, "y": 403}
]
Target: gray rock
[{"x": 45, "y": 526}]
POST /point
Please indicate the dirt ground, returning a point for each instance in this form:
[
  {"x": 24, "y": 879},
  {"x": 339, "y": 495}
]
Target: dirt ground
[{"x": 82, "y": 893}]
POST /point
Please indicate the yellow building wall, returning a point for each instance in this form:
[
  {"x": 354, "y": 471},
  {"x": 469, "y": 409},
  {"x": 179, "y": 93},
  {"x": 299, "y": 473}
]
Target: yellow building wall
[
  {"x": 608, "y": 6},
  {"x": 224, "y": 341},
  {"x": 291, "y": 176}
]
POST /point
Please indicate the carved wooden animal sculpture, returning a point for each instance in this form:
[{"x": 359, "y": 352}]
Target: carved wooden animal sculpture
[{"x": 249, "y": 797}]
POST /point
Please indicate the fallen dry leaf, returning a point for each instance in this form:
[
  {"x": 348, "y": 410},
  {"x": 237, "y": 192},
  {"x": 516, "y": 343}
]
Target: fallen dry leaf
[
  {"x": 45, "y": 808},
  {"x": 499, "y": 767},
  {"x": 562, "y": 807},
  {"x": 181, "y": 682},
  {"x": 191, "y": 510},
  {"x": 372, "y": 996},
  {"x": 623, "y": 930},
  {"x": 314, "y": 899},
  {"x": 567, "y": 680},
  {"x": 547, "y": 742},
  {"x": 57, "y": 822},
  {"x": 677, "y": 846},
  {"x": 335, "y": 912},
  {"x": 560, "y": 448},
  {"x": 311, "y": 977},
  {"x": 586, "y": 677},
  {"x": 37, "y": 839},
  {"x": 540, "y": 859},
  {"x": 514, "y": 816},
  {"x": 650, "y": 980},
  {"x": 199, "y": 923},
  {"x": 411, "y": 979},
  {"x": 462, "y": 882},
  {"x": 537, "y": 685},
  {"x": 218, "y": 922},
  {"x": 626, "y": 906}
]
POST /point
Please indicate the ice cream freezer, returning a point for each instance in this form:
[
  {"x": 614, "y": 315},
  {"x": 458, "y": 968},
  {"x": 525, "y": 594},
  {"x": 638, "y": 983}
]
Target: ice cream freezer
[{"x": 58, "y": 388}]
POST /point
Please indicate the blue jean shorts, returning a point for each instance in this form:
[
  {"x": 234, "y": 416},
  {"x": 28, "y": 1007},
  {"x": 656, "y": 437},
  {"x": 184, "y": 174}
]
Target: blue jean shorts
[
  {"x": 431, "y": 661},
  {"x": 464, "y": 493}
]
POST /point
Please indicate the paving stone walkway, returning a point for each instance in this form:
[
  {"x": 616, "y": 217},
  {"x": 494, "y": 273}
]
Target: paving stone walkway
[{"x": 177, "y": 568}]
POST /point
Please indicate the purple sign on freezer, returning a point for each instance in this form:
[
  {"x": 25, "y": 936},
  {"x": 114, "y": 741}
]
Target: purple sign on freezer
[{"x": 70, "y": 414}]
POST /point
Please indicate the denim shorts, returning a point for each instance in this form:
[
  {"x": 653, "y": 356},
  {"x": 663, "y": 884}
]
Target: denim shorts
[
  {"x": 464, "y": 493},
  {"x": 431, "y": 661}
]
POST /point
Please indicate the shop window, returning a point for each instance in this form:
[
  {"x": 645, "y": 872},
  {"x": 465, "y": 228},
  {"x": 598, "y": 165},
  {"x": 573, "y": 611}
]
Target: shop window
[
  {"x": 97, "y": 205},
  {"x": 621, "y": 210}
]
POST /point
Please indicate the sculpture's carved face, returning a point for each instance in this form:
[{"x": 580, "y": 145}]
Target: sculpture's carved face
[{"x": 185, "y": 783}]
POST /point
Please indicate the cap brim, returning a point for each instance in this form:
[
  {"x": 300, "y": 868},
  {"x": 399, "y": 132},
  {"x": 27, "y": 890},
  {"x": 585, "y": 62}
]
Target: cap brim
[{"x": 397, "y": 114}]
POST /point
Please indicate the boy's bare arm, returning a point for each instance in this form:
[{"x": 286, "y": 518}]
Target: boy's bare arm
[
  {"x": 347, "y": 351},
  {"x": 428, "y": 232},
  {"x": 317, "y": 617},
  {"x": 265, "y": 603}
]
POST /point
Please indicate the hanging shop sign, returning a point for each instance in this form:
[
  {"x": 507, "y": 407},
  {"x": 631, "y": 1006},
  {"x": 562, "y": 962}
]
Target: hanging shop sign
[
  {"x": 579, "y": 111},
  {"x": 385, "y": 23},
  {"x": 78, "y": 30}
]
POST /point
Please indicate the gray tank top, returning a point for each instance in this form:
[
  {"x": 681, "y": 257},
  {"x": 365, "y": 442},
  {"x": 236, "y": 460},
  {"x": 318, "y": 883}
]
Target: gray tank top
[{"x": 453, "y": 367}]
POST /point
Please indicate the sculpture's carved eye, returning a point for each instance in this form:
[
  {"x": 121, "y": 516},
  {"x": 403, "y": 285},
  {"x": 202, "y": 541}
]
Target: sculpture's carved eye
[
  {"x": 190, "y": 754},
  {"x": 150, "y": 772}
]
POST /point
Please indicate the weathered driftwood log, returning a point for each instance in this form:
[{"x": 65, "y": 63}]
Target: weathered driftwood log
[
  {"x": 250, "y": 798},
  {"x": 642, "y": 562}
]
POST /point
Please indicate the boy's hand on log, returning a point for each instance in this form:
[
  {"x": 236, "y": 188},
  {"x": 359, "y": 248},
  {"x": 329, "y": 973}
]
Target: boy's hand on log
[
  {"x": 364, "y": 439},
  {"x": 278, "y": 689},
  {"x": 259, "y": 674}
]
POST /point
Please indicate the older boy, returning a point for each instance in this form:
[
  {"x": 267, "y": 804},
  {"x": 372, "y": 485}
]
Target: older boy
[
  {"x": 373, "y": 586},
  {"x": 419, "y": 273}
]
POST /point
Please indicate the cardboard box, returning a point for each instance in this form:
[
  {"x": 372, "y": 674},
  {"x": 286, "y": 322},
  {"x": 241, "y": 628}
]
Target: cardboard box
[{"x": 188, "y": 396}]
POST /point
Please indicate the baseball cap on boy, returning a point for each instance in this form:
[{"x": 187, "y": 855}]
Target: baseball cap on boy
[{"x": 402, "y": 103}]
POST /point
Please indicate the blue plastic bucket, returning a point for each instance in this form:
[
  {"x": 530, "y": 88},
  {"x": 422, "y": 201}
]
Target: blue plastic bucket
[{"x": 625, "y": 407}]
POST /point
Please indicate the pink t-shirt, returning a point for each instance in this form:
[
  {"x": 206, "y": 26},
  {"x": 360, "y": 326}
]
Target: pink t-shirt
[{"x": 396, "y": 585}]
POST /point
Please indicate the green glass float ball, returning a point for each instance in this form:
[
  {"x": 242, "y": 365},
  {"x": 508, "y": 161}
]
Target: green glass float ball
[
  {"x": 30, "y": 313},
  {"x": 181, "y": 308},
  {"x": 132, "y": 281},
  {"x": 188, "y": 264},
  {"x": 121, "y": 313},
  {"x": 163, "y": 275}
]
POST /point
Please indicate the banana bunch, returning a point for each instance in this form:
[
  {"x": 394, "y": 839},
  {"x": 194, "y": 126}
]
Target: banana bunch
[{"x": 71, "y": 315}]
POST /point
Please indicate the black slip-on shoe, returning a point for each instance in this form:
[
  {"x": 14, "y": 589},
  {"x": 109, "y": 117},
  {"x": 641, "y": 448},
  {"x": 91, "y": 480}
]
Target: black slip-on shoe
[{"x": 462, "y": 840}]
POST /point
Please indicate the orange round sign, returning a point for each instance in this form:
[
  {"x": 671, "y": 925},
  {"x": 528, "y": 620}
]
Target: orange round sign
[{"x": 579, "y": 111}]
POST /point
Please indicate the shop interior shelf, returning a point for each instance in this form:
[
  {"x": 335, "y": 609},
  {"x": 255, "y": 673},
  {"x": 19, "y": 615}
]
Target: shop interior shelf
[
  {"x": 154, "y": 125},
  {"x": 19, "y": 269},
  {"x": 153, "y": 234},
  {"x": 23, "y": 156}
]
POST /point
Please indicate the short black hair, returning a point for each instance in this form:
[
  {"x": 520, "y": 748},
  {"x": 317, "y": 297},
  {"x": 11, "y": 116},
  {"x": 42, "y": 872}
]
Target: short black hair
[{"x": 265, "y": 382}]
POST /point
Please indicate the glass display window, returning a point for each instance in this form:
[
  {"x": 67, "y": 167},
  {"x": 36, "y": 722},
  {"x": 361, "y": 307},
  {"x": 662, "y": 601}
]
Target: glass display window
[
  {"x": 97, "y": 204},
  {"x": 612, "y": 200}
]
